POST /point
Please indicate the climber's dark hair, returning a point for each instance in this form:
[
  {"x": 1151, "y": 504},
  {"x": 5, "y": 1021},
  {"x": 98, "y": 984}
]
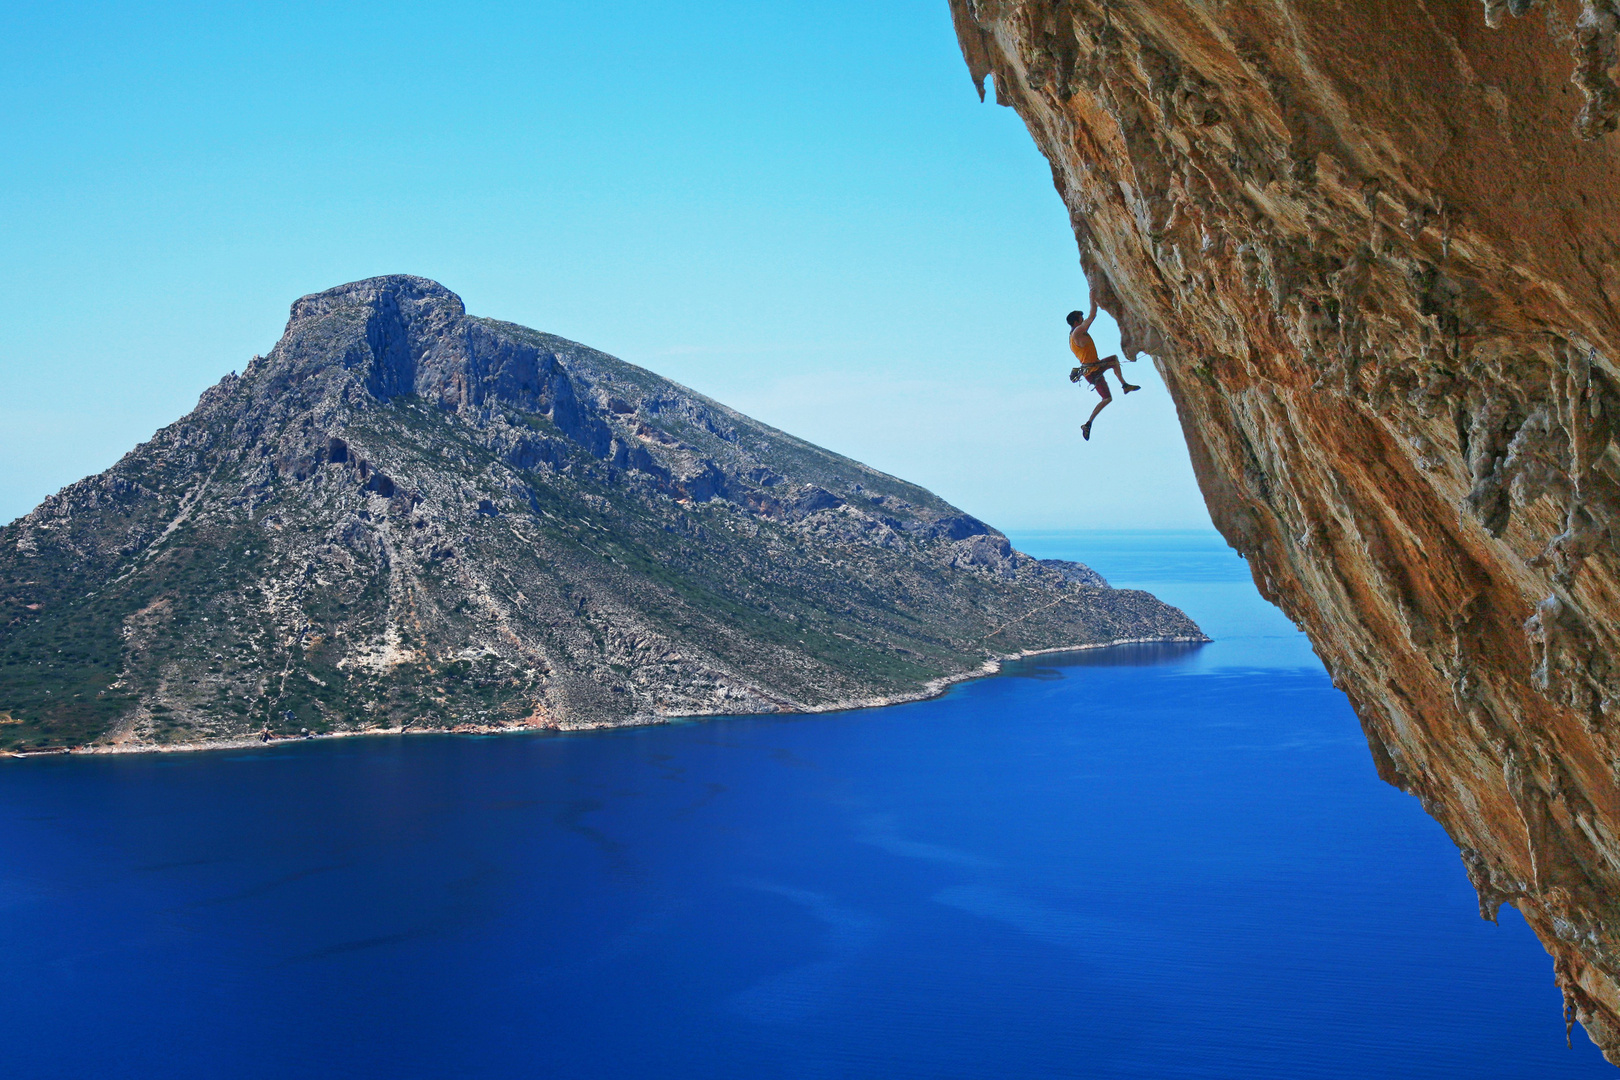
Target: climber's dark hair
[{"x": 1076, "y": 318}]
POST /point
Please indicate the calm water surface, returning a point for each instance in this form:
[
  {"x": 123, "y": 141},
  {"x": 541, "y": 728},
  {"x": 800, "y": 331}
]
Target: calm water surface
[{"x": 1154, "y": 863}]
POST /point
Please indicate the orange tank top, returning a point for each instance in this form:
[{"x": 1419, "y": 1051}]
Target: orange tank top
[{"x": 1082, "y": 345}]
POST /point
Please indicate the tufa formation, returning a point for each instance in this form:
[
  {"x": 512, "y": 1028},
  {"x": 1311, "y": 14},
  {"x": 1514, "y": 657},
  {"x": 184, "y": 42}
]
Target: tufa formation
[
  {"x": 408, "y": 518},
  {"x": 1374, "y": 250}
]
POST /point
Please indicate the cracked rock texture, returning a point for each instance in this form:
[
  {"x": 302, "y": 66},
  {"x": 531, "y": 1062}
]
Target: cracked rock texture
[
  {"x": 406, "y": 517},
  {"x": 1374, "y": 249}
]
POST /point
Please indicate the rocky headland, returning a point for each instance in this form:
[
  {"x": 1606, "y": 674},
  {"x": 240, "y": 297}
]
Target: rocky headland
[
  {"x": 1374, "y": 250},
  {"x": 407, "y": 518}
]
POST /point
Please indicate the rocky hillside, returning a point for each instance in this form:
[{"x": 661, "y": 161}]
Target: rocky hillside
[
  {"x": 404, "y": 516},
  {"x": 1374, "y": 249}
]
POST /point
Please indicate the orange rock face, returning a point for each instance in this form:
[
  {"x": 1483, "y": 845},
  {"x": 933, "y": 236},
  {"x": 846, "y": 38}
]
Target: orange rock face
[{"x": 1374, "y": 250}]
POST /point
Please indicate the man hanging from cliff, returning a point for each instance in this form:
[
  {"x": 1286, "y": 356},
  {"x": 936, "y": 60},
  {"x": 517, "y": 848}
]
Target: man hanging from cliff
[{"x": 1092, "y": 369}]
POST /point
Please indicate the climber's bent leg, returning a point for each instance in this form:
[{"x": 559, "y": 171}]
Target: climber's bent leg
[{"x": 1112, "y": 364}]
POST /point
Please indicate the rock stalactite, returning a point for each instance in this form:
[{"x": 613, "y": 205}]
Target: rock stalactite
[{"x": 1374, "y": 250}]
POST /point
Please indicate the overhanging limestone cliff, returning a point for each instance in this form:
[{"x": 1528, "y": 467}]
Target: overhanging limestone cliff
[{"x": 1372, "y": 248}]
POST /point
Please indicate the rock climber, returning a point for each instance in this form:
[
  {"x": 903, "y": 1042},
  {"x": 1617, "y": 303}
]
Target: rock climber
[{"x": 1092, "y": 369}]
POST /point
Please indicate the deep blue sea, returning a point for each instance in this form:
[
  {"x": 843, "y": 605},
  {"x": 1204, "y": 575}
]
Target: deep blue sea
[{"x": 1147, "y": 862}]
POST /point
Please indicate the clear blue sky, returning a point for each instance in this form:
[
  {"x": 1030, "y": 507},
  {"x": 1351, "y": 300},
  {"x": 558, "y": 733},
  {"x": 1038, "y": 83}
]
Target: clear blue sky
[{"x": 801, "y": 209}]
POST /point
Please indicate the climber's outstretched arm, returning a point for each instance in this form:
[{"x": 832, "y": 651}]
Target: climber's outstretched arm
[{"x": 1091, "y": 317}]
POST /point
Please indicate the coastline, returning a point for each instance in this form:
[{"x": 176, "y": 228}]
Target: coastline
[{"x": 932, "y": 689}]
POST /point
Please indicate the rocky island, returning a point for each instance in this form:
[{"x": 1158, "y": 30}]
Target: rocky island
[
  {"x": 407, "y": 518},
  {"x": 1374, "y": 250}
]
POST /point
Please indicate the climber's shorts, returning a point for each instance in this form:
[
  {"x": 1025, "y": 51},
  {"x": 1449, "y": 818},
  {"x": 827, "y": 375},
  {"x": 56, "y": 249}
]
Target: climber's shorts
[{"x": 1098, "y": 382}]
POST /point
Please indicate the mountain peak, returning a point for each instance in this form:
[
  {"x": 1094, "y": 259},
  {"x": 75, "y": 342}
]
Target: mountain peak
[{"x": 387, "y": 291}]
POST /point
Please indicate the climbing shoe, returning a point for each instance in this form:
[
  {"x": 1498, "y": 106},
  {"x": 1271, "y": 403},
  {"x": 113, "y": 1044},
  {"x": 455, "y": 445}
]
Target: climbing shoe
[
  {"x": 1128, "y": 387},
  {"x": 1085, "y": 431}
]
